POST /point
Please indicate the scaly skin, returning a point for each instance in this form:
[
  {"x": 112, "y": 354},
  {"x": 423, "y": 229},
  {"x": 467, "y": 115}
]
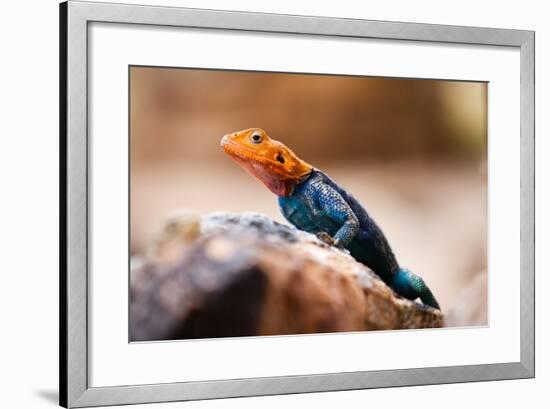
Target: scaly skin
[{"x": 313, "y": 202}]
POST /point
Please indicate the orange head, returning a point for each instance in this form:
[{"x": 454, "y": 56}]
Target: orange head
[{"x": 267, "y": 159}]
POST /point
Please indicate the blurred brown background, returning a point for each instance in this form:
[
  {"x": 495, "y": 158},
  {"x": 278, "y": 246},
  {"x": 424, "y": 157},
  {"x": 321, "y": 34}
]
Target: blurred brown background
[{"x": 412, "y": 151}]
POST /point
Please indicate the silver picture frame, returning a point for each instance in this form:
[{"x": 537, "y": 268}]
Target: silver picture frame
[{"x": 75, "y": 16}]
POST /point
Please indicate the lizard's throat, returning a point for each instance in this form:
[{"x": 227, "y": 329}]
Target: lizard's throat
[{"x": 279, "y": 184}]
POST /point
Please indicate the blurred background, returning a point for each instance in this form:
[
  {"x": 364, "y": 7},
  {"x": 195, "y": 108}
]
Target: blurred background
[{"x": 412, "y": 151}]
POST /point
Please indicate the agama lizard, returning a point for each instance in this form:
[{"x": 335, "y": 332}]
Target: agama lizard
[{"x": 313, "y": 202}]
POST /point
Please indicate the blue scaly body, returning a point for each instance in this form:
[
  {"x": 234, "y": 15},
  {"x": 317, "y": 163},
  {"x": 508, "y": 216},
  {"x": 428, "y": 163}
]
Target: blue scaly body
[{"x": 318, "y": 205}]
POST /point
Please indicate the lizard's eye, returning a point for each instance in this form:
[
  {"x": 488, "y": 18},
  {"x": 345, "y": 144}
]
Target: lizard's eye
[
  {"x": 280, "y": 158},
  {"x": 256, "y": 138}
]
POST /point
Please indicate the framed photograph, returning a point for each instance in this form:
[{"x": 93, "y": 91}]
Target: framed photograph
[{"x": 258, "y": 204}]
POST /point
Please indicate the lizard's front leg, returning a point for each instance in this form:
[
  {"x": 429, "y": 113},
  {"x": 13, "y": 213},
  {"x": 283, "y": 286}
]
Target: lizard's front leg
[
  {"x": 333, "y": 205},
  {"x": 346, "y": 233}
]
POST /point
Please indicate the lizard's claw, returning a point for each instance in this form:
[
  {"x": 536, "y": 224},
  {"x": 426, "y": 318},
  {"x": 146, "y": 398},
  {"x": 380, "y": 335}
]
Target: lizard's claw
[{"x": 325, "y": 238}]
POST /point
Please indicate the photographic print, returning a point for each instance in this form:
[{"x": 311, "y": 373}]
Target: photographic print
[
  {"x": 267, "y": 203},
  {"x": 225, "y": 221}
]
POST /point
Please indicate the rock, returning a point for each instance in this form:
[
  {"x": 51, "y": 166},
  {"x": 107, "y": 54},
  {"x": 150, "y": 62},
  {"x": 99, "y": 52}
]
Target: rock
[{"x": 245, "y": 274}]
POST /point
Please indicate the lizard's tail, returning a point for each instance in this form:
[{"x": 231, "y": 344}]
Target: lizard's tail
[{"x": 411, "y": 286}]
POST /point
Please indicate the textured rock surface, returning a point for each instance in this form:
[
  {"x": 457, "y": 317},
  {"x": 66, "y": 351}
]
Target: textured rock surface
[{"x": 243, "y": 274}]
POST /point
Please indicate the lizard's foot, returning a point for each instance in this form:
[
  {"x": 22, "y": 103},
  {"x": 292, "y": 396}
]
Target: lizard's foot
[
  {"x": 340, "y": 246},
  {"x": 325, "y": 238}
]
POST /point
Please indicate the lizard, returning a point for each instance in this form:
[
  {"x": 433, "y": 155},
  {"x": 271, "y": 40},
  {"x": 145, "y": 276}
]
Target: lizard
[{"x": 311, "y": 201}]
